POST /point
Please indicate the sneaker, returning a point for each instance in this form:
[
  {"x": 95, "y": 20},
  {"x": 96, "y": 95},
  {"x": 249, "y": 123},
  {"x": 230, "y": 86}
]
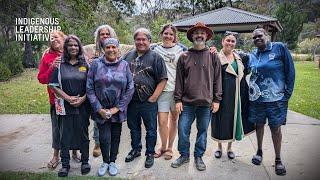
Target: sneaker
[
  {"x": 96, "y": 150},
  {"x": 181, "y": 160},
  {"x": 103, "y": 169},
  {"x": 149, "y": 161},
  {"x": 113, "y": 170},
  {"x": 132, "y": 154},
  {"x": 85, "y": 168},
  {"x": 63, "y": 172},
  {"x": 200, "y": 164}
]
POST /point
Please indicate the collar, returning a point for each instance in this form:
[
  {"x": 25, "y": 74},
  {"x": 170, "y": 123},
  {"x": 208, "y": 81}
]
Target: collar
[
  {"x": 268, "y": 48},
  {"x": 229, "y": 69},
  {"x": 103, "y": 60}
]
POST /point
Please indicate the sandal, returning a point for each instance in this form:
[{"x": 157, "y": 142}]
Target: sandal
[
  {"x": 231, "y": 155},
  {"x": 159, "y": 153},
  {"x": 256, "y": 160},
  {"x": 218, "y": 154},
  {"x": 168, "y": 154},
  {"x": 280, "y": 169},
  {"x": 53, "y": 164},
  {"x": 76, "y": 158}
]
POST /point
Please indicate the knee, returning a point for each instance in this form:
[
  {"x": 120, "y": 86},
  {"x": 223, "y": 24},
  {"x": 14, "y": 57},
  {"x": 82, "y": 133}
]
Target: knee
[{"x": 276, "y": 131}]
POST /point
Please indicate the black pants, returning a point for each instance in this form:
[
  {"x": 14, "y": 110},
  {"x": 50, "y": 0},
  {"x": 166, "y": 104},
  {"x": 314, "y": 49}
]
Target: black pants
[
  {"x": 55, "y": 125},
  {"x": 74, "y": 135},
  {"x": 109, "y": 137}
]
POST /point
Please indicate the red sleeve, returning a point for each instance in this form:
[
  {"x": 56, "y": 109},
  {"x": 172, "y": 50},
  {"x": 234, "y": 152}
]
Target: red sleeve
[{"x": 45, "y": 69}]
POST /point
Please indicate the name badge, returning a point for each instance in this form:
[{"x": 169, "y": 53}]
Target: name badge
[
  {"x": 272, "y": 56},
  {"x": 82, "y": 69}
]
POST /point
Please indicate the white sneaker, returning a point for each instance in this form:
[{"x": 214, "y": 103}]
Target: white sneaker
[
  {"x": 103, "y": 169},
  {"x": 113, "y": 170}
]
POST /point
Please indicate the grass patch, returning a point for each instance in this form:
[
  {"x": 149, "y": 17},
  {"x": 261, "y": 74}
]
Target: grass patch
[
  {"x": 45, "y": 176},
  {"x": 306, "y": 95},
  {"x": 24, "y": 95}
]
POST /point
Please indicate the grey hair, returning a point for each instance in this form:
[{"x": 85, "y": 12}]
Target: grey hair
[
  {"x": 105, "y": 26},
  {"x": 144, "y": 31}
]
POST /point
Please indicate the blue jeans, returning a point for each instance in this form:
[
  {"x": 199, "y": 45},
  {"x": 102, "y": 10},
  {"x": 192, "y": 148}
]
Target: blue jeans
[
  {"x": 148, "y": 112},
  {"x": 187, "y": 116}
]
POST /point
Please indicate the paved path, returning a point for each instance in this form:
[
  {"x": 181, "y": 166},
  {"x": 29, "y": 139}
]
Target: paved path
[{"x": 25, "y": 145}]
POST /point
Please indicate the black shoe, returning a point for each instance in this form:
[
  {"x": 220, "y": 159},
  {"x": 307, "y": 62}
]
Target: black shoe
[
  {"x": 149, "y": 161},
  {"x": 63, "y": 172},
  {"x": 199, "y": 164},
  {"x": 181, "y": 160},
  {"x": 85, "y": 168},
  {"x": 231, "y": 155},
  {"x": 132, "y": 154},
  {"x": 218, "y": 154}
]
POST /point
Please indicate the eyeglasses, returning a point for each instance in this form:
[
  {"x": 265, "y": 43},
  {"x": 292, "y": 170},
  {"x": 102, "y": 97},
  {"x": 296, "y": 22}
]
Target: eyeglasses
[{"x": 227, "y": 33}]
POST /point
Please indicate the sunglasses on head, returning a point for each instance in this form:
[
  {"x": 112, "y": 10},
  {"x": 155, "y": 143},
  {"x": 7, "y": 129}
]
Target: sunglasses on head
[{"x": 227, "y": 33}]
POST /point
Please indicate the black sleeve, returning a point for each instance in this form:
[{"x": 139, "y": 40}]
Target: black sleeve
[
  {"x": 54, "y": 78},
  {"x": 160, "y": 69}
]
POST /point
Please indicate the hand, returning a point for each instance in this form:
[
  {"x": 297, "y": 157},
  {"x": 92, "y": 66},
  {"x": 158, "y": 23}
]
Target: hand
[
  {"x": 114, "y": 110},
  {"x": 90, "y": 60},
  {"x": 215, "y": 107},
  {"x": 79, "y": 101},
  {"x": 56, "y": 62},
  {"x": 152, "y": 99},
  {"x": 102, "y": 113},
  {"x": 72, "y": 99},
  {"x": 179, "y": 107},
  {"x": 213, "y": 50}
]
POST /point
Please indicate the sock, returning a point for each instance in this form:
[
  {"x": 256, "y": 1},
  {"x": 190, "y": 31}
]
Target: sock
[{"x": 278, "y": 161}]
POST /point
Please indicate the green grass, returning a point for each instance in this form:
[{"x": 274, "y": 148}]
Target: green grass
[
  {"x": 45, "y": 176},
  {"x": 24, "y": 95},
  {"x": 306, "y": 94}
]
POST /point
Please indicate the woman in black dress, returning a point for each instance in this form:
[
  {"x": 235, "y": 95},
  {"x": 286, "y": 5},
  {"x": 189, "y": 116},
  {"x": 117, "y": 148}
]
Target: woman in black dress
[{"x": 68, "y": 82}]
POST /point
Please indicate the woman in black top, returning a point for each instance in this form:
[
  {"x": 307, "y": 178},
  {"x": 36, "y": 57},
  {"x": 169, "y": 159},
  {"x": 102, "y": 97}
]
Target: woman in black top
[{"x": 69, "y": 84}]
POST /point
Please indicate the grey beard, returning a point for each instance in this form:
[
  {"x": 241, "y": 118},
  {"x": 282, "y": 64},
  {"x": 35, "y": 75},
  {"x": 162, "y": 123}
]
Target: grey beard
[{"x": 199, "y": 43}]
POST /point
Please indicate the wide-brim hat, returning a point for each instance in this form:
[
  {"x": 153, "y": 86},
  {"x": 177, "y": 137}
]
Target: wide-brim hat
[{"x": 199, "y": 25}]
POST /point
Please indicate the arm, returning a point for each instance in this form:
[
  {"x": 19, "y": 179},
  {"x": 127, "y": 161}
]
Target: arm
[
  {"x": 45, "y": 71},
  {"x": 289, "y": 72},
  {"x": 160, "y": 77},
  {"x": 158, "y": 90},
  {"x": 179, "y": 84},
  {"x": 91, "y": 94},
  {"x": 217, "y": 84}
]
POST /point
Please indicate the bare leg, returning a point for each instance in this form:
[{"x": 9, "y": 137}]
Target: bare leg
[
  {"x": 260, "y": 133},
  {"x": 276, "y": 138},
  {"x": 220, "y": 146},
  {"x": 229, "y": 146},
  {"x": 173, "y": 122},
  {"x": 163, "y": 129}
]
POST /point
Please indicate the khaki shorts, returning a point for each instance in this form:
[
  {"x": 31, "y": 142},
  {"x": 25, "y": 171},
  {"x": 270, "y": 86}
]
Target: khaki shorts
[{"x": 166, "y": 102}]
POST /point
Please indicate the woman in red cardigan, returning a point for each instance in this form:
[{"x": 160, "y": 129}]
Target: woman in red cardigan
[{"x": 51, "y": 58}]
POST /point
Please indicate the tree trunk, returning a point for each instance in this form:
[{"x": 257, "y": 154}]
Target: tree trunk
[{"x": 27, "y": 57}]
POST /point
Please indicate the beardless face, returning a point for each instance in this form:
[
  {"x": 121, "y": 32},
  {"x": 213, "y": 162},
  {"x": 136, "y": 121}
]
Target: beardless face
[
  {"x": 111, "y": 52},
  {"x": 260, "y": 39},
  {"x": 73, "y": 48},
  {"x": 229, "y": 43},
  {"x": 142, "y": 42},
  {"x": 199, "y": 37},
  {"x": 168, "y": 36},
  {"x": 104, "y": 34},
  {"x": 56, "y": 41}
]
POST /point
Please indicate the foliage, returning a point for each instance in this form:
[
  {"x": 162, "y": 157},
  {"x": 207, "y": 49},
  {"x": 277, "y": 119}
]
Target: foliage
[
  {"x": 308, "y": 46},
  {"x": 306, "y": 98},
  {"x": 156, "y": 27},
  {"x": 10, "y": 59},
  {"x": 292, "y": 19}
]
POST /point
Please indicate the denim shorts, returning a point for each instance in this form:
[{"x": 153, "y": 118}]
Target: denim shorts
[
  {"x": 275, "y": 112},
  {"x": 166, "y": 102}
]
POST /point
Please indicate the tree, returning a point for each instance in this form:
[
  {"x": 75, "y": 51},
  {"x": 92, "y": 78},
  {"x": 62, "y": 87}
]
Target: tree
[{"x": 292, "y": 19}]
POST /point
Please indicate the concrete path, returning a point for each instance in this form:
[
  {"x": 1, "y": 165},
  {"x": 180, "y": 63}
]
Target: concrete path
[{"x": 25, "y": 145}]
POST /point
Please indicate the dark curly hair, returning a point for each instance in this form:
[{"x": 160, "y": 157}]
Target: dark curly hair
[{"x": 66, "y": 56}]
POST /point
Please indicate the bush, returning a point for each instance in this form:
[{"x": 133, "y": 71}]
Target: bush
[{"x": 11, "y": 56}]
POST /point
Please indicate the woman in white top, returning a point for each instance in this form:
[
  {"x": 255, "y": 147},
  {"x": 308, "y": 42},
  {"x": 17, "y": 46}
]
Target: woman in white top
[{"x": 170, "y": 50}]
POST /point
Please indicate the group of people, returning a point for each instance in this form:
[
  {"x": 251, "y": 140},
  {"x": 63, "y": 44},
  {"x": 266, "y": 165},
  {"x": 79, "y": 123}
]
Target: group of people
[{"x": 163, "y": 84}]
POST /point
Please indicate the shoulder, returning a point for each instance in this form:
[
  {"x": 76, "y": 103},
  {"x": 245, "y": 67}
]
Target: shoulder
[{"x": 183, "y": 47}]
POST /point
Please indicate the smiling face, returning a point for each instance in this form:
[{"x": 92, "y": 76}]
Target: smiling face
[
  {"x": 229, "y": 43},
  {"x": 56, "y": 41},
  {"x": 259, "y": 39},
  {"x": 142, "y": 42},
  {"x": 168, "y": 36},
  {"x": 199, "y": 37},
  {"x": 111, "y": 52},
  {"x": 73, "y": 48}
]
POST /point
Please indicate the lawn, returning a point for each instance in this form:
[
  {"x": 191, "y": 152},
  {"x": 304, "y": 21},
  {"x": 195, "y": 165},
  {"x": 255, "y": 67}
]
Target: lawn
[
  {"x": 306, "y": 94},
  {"x": 23, "y": 94},
  {"x": 45, "y": 176}
]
